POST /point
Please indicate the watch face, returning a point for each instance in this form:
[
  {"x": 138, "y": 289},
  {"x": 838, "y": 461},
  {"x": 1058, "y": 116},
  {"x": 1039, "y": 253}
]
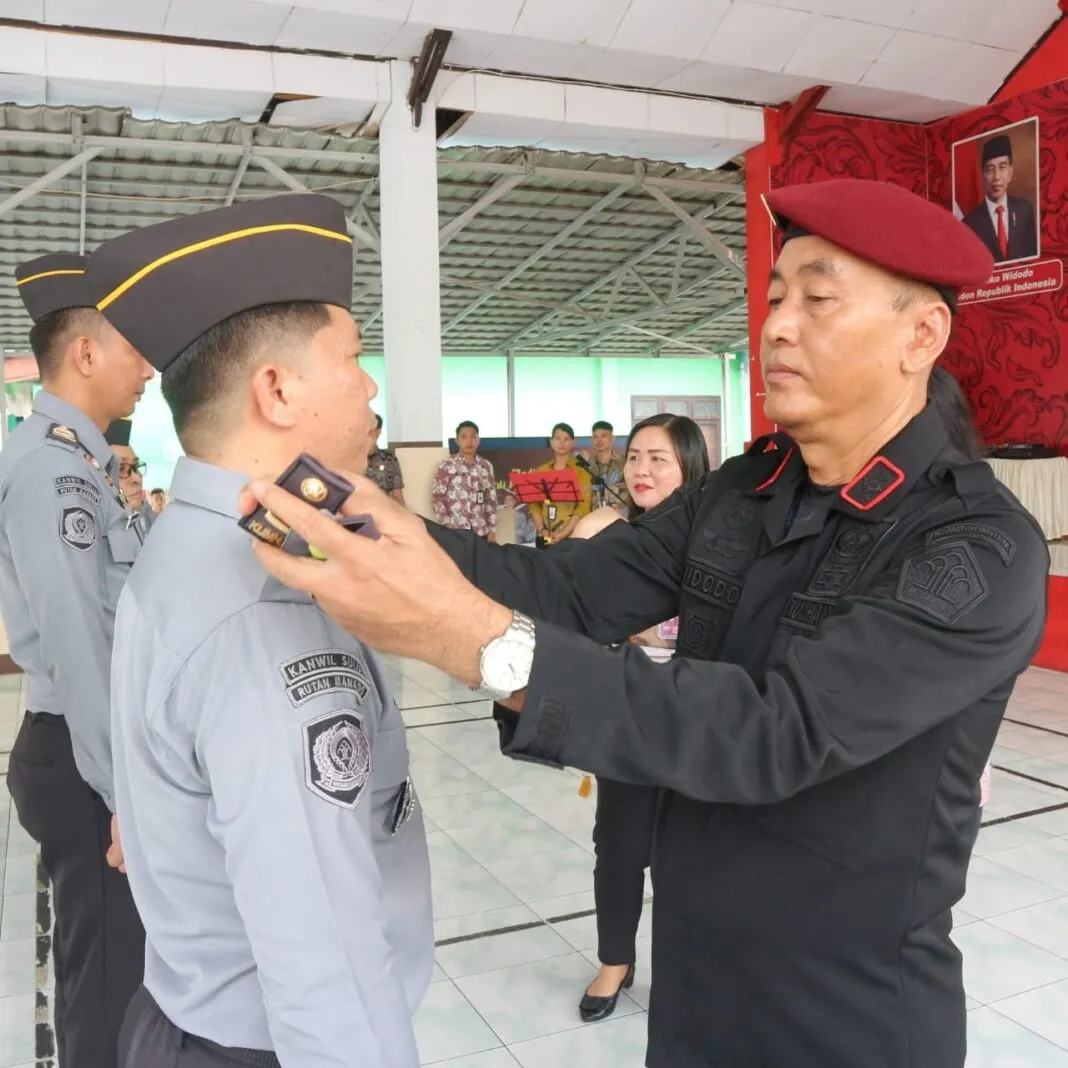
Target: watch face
[{"x": 506, "y": 665}]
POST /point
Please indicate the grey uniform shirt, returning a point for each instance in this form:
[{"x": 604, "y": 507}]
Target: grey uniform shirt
[
  {"x": 261, "y": 765},
  {"x": 66, "y": 546}
]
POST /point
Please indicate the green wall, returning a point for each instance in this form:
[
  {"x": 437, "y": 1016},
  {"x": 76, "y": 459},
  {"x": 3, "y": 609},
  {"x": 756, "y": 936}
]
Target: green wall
[{"x": 548, "y": 390}]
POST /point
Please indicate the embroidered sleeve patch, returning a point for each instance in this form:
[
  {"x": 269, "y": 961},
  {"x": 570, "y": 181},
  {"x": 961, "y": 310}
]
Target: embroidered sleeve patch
[
  {"x": 66, "y": 485},
  {"x": 323, "y": 672},
  {"x": 944, "y": 580},
  {"x": 997, "y": 539},
  {"x": 337, "y": 758},
  {"x": 78, "y": 528}
]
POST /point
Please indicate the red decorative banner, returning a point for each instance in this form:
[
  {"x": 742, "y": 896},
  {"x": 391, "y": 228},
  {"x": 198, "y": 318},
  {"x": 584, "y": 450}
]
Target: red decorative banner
[{"x": 1024, "y": 280}]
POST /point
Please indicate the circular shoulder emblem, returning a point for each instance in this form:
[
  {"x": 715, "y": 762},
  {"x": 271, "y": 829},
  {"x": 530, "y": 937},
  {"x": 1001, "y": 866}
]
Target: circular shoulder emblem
[
  {"x": 78, "y": 528},
  {"x": 337, "y": 758}
]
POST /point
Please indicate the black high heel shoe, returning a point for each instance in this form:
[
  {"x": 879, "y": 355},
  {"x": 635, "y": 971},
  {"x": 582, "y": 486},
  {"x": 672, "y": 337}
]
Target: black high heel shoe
[{"x": 592, "y": 1009}]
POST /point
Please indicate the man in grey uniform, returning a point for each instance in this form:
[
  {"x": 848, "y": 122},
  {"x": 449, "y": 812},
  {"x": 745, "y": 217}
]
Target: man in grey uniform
[
  {"x": 67, "y": 541},
  {"x": 269, "y": 826},
  {"x": 131, "y": 471}
]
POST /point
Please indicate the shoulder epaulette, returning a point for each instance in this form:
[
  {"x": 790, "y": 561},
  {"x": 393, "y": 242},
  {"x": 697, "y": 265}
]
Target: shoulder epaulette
[
  {"x": 777, "y": 442},
  {"x": 974, "y": 479},
  {"x": 64, "y": 435}
]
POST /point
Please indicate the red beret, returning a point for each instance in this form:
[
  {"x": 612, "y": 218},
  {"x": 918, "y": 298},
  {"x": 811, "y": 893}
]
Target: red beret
[{"x": 888, "y": 226}]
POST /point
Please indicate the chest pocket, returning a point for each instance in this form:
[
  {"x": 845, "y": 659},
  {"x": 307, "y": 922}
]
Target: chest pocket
[
  {"x": 720, "y": 555},
  {"x": 122, "y": 544}
]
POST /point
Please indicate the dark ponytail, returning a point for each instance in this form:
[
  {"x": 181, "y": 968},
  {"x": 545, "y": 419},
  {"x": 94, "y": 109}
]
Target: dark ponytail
[{"x": 946, "y": 396}]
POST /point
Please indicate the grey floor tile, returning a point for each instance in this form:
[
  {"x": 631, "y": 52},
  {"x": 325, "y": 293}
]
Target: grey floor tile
[
  {"x": 464, "y": 891},
  {"x": 494, "y": 1058},
  {"x": 17, "y": 964},
  {"x": 994, "y": 889},
  {"x": 993, "y": 840},
  {"x": 504, "y": 839},
  {"x": 462, "y": 811},
  {"x": 420, "y": 717},
  {"x": 504, "y": 999},
  {"x": 480, "y": 922},
  {"x": 616, "y": 1043},
  {"x": 19, "y": 917},
  {"x": 495, "y": 952},
  {"x": 566, "y": 905},
  {"x": 1043, "y": 925},
  {"x": 998, "y": 964},
  {"x": 1043, "y": 1011},
  {"x": 565, "y": 871},
  {"x": 997, "y": 1042},
  {"x": 447, "y": 1026},
  {"x": 17, "y": 1029},
  {"x": 445, "y": 854},
  {"x": 1046, "y": 862}
]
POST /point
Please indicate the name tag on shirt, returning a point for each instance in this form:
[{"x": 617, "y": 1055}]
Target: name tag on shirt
[
  {"x": 480, "y": 497},
  {"x": 669, "y": 631},
  {"x": 552, "y": 513}
]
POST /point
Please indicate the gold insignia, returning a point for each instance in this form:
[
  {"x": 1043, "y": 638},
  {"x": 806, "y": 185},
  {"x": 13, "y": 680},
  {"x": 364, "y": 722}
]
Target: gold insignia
[
  {"x": 314, "y": 490},
  {"x": 64, "y": 433}
]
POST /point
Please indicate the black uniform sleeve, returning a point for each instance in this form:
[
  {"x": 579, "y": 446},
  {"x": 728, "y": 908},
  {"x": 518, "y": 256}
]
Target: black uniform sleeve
[
  {"x": 950, "y": 623},
  {"x": 609, "y": 587}
]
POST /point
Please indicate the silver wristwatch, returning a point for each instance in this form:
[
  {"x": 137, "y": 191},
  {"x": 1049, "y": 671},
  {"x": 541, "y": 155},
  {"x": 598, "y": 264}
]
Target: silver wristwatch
[{"x": 506, "y": 662}]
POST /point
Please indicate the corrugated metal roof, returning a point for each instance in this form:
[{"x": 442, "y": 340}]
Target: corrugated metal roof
[{"x": 578, "y": 297}]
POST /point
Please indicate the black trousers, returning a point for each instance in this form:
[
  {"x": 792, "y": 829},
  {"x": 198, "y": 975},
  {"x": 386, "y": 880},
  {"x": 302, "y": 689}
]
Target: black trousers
[
  {"x": 98, "y": 942},
  {"x": 150, "y": 1040},
  {"x": 623, "y": 841}
]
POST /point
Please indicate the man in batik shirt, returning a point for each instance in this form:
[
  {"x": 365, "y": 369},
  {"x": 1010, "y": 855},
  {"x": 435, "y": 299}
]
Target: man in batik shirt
[{"x": 465, "y": 492}]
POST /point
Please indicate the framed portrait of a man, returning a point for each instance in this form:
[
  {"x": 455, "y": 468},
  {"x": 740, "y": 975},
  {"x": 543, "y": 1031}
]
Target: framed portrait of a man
[{"x": 995, "y": 189}]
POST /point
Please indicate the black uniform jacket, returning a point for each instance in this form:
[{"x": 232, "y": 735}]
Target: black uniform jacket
[{"x": 844, "y": 661}]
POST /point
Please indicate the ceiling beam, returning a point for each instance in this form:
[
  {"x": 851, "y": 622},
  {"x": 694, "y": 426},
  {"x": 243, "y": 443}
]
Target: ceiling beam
[
  {"x": 504, "y": 184},
  {"x": 288, "y": 180},
  {"x": 632, "y": 261},
  {"x": 676, "y": 338},
  {"x": 604, "y": 329},
  {"x": 719, "y": 247},
  {"x": 239, "y": 174},
  {"x": 46, "y": 180},
  {"x": 444, "y": 163},
  {"x": 543, "y": 250},
  {"x": 648, "y": 288}
]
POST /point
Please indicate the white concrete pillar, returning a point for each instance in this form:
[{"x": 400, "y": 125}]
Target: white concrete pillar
[{"x": 411, "y": 298}]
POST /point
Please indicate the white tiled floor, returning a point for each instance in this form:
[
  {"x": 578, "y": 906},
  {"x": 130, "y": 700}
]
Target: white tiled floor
[{"x": 513, "y": 881}]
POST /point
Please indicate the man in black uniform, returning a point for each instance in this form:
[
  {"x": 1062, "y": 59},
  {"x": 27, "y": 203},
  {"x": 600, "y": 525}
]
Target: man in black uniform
[{"x": 856, "y": 601}]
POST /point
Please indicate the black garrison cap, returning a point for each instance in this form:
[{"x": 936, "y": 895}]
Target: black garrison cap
[
  {"x": 53, "y": 283},
  {"x": 996, "y": 148},
  {"x": 118, "y": 432},
  {"x": 163, "y": 286}
]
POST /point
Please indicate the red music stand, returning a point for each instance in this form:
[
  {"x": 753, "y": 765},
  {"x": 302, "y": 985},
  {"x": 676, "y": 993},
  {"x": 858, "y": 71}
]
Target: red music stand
[{"x": 536, "y": 487}]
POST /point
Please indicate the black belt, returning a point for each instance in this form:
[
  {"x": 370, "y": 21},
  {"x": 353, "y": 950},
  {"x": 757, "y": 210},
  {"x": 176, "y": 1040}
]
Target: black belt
[
  {"x": 262, "y": 1058},
  {"x": 46, "y": 717}
]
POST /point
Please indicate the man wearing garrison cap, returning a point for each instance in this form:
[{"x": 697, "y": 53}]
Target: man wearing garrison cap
[
  {"x": 269, "y": 827},
  {"x": 67, "y": 540},
  {"x": 856, "y": 598},
  {"x": 131, "y": 472},
  {"x": 1006, "y": 224}
]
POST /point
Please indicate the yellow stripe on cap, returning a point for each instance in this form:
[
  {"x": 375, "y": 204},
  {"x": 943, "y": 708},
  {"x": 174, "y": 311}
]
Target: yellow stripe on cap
[
  {"x": 48, "y": 274},
  {"x": 222, "y": 239}
]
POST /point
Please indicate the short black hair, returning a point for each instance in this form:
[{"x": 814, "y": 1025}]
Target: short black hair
[
  {"x": 152, "y": 493},
  {"x": 52, "y": 332},
  {"x": 997, "y": 148},
  {"x": 603, "y": 424},
  {"x": 378, "y": 420},
  {"x": 207, "y": 373},
  {"x": 565, "y": 427},
  {"x": 467, "y": 425}
]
